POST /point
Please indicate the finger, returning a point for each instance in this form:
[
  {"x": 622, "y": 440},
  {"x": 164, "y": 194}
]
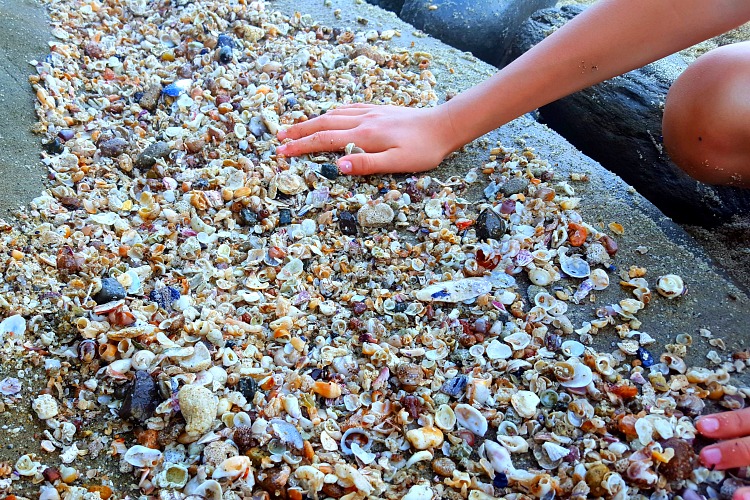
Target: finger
[
  {"x": 327, "y": 140},
  {"x": 725, "y": 425},
  {"x": 323, "y": 122},
  {"x": 384, "y": 162},
  {"x": 727, "y": 454},
  {"x": 741, "y": 494},
  {"x": 348, "y": 111}
]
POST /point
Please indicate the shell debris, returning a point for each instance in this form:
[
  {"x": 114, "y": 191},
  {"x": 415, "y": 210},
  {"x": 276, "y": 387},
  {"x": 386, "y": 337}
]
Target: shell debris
[{"x": 240, "y": 323}]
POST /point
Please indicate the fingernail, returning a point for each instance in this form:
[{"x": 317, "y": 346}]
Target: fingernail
[
  {"x": 711, "y": 455},
  {"x": 345, "y": 167},
  {"x": 281, "y": 134},
  {"x": 280, "y": 149},
  {"x": 709, "y": 424}
]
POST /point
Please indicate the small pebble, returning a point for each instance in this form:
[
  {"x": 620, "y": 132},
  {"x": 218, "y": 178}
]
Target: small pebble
[
  {"x": 347, "y": 224},
  {"x": 329, "y": 171},
  {"x": 514, "y": 185},
  {"x": 153, "y": 152},
  {"x": 489, "y": 225},
  {"x": 113, "y": 147},
  {"x": 141, "y": 398},
  {"x": 111, "y": 290}
]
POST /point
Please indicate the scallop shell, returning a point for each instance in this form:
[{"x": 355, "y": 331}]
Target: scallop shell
[
  {"x": 670, "y": 286},
  {"x": 445, "y": 417},
  {"x": 525, "y": 403},
  {"x": 141, "y": 456},
  {"x": 471, "y": 419},
  {"x": 582, "y": 376},
  {"x": 574, "y": 266},
  {"x": 554, "y": 451},
  {"x": 518, "y": 340},
  {"x": 498, "y": 350}
]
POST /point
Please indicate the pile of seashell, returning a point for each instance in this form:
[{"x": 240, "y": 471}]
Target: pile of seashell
[{"x": 249, "y": 326}]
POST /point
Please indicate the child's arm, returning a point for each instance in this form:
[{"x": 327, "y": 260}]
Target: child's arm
[{"x": 608, "y": 39}]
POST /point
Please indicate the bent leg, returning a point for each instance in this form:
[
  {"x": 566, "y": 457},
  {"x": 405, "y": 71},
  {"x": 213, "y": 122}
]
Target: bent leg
[{"x": 706, "y": 123}]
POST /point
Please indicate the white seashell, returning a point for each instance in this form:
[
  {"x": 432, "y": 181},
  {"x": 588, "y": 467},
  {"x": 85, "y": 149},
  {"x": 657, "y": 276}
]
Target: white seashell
[
  {"x": 498, "y": 350},
  {"x": 540, "y": 277},
  {"x": 645, "y": 430},
  {"x": 45, "y": 406},
  {"x": 600, "y": 279},
  {"x": 514, "y": 444},
  {"x": 525, "y": 403},
  {"x": 291, "y": 406},
  {"x": 327, "y": 442},
  {"x": 419, "y": 456},
  {"x": 141, "y": 456},
  {"x": 454, "y": 291},
  {"x": 574, "y": 266},
  {"x": 471, "y": 419},
  {"x": 198, "y": 406},
  {"x": 419, "y": 492},
  {"x": 445, "y": 418},
  {"x": 555, "y": 452},
  {"x": 582, "y": 376},
  {"x": 233, "y": 468},
  {"x": 291, "y": 270},
  {"x": 499, "y": 457},
  {"x": 25, "y": 466},
  {"x": 174, "y": 476},
  {"x": 118, "y": 368},
  {"x": 48, "y": 493},
  {"x": 366, "y": 457},
  {"x": 199, "y": 360},
  {"x": 670, "y": 286},
  {"x": 518, "y": 340},
  {"x": 289, "y": 183},
  {"x": 142, "y": 359},
  {"x": 663, "y": 427},
  {"x": 572, "y": 348},
  {"x": 433, "y": 209},
  {"x": 14, "y": 325}
]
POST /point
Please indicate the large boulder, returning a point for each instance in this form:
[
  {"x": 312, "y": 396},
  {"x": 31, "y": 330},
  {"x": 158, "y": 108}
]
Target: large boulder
[
  {"x": 618, "y": 123},
  {"x": 485, "y": 29},
  {"x": 392, "y": 5}
]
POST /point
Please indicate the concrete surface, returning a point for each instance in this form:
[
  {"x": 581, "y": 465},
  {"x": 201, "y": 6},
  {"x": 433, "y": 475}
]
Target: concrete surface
[{"x": 24, "y": 33}]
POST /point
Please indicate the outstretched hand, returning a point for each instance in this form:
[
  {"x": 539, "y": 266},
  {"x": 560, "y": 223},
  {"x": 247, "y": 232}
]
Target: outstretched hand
[
  {"x": 395, "y": 139},
  {"x": 733, "y": 428}
]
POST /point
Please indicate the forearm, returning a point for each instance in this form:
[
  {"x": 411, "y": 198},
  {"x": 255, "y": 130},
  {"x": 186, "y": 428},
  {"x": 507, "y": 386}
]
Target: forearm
[{"x": 608, "y": 39}]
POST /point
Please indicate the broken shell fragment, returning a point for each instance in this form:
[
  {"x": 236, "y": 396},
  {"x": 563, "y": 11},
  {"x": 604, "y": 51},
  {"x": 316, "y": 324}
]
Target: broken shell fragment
[
  {"x": 454, "y": 291},
  {"x": 198, "y": 406},
  {"x": 471, "y": 419}
]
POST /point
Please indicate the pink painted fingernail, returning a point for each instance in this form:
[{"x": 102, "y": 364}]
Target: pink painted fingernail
[
  {"x": 711, "y": 455},
  {"x": 345, "y": 167},
  {"x": 709, "y": 424}
]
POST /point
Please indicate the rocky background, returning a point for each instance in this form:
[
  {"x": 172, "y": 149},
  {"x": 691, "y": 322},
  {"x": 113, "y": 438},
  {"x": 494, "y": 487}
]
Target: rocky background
[{"x": 617, "y": 123}]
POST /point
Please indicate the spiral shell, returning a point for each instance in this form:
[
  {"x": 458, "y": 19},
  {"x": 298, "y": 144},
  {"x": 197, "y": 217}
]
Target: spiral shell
[{"x": 670, "y": 286}]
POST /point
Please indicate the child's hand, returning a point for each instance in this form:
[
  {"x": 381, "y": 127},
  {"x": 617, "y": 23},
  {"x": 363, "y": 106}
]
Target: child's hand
[
  {"x": 395, "y": 139},
  {"x": 734, "y": 428}
]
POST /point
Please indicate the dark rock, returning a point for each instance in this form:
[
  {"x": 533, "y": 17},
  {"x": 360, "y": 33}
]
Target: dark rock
[
  {"x": 455, "y": 387},
  {"x": 485, "y": 29},
  {"x": 248, "y": 217},
  {"x": 391, "y": 5},
  {"x": 54, "y": 146},
  {"x": 150, "y": 97},
  {"x": 285, "y": 217},
  {"x": 348, "y": 224},
  {"x": 618, "y": 123},
  {"x": 515, "y": 185},
  {"x": 248, "y": 387},
  {"x": 329, "y": 171},
  {"x": 141, "y": 399},
  {"x": 153, "y": 152},
  {"x": 111, "y": 290},
  {"x": 490, "y": 226},
  {"x": 113, "y": 147}
]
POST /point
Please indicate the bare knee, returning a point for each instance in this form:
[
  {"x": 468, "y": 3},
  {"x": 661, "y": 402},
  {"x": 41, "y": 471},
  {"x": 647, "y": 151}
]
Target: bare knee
[{"x": 706, "y": 124}]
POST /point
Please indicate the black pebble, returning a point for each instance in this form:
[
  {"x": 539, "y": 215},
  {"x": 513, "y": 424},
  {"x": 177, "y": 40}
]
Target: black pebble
[
  {"x": 111, "y": 290},
  {"x": 490, "y": 226},
  {"x": 400, "y": 307},
  {"x": 348, "y": 224},
  {"x": 54, "y": 147},
  {"x": 225, "y": 55},
  {"x": 285, "y": 217},
  {"x": 248, "y": 387},
  {"x": 225, "y": 40},
  {"x": 141, "y": 398},
  {"x": 329, "y": 171},
  {"x": 248, "y": 217}
]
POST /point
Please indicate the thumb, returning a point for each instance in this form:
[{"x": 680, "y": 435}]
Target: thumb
[{"x": 366, "y": 164}]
